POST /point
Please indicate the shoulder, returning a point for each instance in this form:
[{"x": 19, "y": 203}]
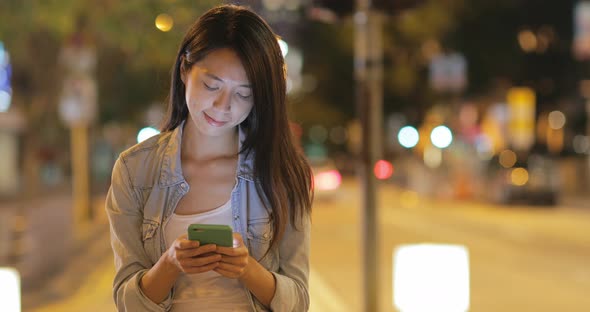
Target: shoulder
[
  {"x": 143, "y": 161},
  {"x": 147, "y": 146}
]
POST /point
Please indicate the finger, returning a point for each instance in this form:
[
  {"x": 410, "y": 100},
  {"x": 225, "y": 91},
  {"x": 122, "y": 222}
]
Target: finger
[
  {"x": 193, "y": 252},
  {"x": 238, "y": 240},
  {"x": 201, "y": 269},
  {"x": 229, "y": 251},
  {"x": 230, "y": 267},
  {"x": 183, "y": 243},
  {"x": 233, "y": 252},
  {"x": 200, "y": 261},
  {"x": 239, "y": 261}
]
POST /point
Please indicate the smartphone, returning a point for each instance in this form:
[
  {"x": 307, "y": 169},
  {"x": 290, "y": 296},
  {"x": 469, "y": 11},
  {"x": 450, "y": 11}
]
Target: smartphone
[{"x": 220, "y": 235}]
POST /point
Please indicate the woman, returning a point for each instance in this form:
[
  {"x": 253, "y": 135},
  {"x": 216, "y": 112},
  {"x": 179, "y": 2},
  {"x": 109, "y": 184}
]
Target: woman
[{"x": 225, "y": 156}]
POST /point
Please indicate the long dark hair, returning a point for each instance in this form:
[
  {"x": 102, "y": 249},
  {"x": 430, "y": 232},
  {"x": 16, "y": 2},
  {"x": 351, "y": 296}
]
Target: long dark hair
[{"x": 283, "y": 173}]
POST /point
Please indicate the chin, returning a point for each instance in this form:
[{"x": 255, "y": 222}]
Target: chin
[{"x": 210, "y": 130}]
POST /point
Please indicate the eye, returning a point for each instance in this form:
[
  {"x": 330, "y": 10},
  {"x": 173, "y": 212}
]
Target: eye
[
  {"x": 245, "y": 97},
  {"x": 209, "y": 87}
]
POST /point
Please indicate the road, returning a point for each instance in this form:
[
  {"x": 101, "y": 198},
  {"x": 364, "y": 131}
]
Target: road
[{"x": 521, "y": 259}]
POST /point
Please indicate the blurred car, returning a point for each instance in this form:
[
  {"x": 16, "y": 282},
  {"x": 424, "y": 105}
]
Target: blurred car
[{"x": 326, "y": 178}]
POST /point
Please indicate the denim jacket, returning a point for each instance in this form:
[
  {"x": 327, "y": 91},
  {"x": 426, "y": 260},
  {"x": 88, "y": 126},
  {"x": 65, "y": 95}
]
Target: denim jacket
[{"x": 147, "y": 184}]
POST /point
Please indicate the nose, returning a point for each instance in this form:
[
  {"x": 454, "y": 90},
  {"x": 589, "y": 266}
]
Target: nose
[{"x": 223, "y": 101}]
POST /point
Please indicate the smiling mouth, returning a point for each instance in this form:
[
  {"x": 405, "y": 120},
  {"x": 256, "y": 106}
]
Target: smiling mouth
[{"x": 214, "y": 122}]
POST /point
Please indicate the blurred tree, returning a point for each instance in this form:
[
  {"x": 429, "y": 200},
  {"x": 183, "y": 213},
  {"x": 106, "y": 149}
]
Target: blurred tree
[
  {"x": 131, "y": 50},
  {"x": 134, "y": 60},
  {"x": 485, "y": 32}
]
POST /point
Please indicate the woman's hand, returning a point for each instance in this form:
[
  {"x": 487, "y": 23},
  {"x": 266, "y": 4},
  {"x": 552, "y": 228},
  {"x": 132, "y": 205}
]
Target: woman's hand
[
  {"x": 233, "y": 260},
  {"x": 189, "y": 257}
]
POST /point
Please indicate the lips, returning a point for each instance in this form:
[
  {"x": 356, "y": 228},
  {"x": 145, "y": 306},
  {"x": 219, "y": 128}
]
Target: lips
[{"x": 213, "y": 121}]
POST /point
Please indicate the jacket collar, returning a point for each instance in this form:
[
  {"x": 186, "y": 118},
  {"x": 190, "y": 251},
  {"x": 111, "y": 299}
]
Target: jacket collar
[{"x": 171, "y": 171}]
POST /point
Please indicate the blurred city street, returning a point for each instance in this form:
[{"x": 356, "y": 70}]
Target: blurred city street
[
  {"x": 468, "y": 121},
  {"x": 521, "y": 258}
]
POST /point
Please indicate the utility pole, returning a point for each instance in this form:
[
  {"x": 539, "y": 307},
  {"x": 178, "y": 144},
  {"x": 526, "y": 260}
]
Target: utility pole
[{"x": 368, "y": 70}]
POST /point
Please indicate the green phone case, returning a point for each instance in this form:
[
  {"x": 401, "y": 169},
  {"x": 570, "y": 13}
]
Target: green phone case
[{"x": 220, "y": 235}]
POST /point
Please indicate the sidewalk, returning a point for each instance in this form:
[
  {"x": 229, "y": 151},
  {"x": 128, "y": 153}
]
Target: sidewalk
[
  {"x": 36, "y": 234},
  {"x": 43, "y": 283}
]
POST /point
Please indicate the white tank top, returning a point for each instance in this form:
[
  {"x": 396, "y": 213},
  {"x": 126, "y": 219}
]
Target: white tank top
[{"x": 207, "y": 291}]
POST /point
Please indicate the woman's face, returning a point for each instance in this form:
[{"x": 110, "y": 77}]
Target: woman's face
[{"x": 218, "y": 93}]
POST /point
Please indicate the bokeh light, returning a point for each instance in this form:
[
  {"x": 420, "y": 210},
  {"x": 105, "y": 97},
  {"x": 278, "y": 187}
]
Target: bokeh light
[
  {"x": 146, "y": 133},
  {"x": 408, "y": 136},
  {"x": 519, "y": 176},
  {"x": 484, "y": 147},
  {"x": 5, "y": 99},
  {"x": 284, "y": 47},
  {"x": 328, "y": 180},
  {"x": 441, "y": 137},
  {"x": 3, "y": 76},
  {"x": 581, "y": 144},
  {"x": 3, "y": 55},
  {"x": 11, "y": 289},
  {"x": 383, "y": 169},
  {"x": 556, "y": 120},
  {"x": 438, "y": 272},
  {"x": 527, "y": 40},
  {"x": 432, "y": 157},
  {"x": 507, "y": 158},
  {"x": 164, "y": 22}
]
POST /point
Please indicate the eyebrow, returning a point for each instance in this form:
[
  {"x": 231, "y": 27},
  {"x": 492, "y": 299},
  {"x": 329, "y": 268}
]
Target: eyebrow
[{"x": 221, "y": 80}]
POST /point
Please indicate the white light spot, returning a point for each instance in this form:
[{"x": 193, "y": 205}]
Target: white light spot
[
  {"x": 431, "y": 277},
  {"x": 556, "y": 120},
  {"x": 408, "y": 136},
  {"x": 146, "y": 133},
  {"x": 284, "y": 47},
  {"x": 441, "y": 137},
  {"x": 10, "y": 296},
  {"x": 5, "y": 99}
]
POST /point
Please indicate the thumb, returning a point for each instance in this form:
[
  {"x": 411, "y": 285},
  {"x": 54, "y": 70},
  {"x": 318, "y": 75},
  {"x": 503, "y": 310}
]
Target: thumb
[{"x": 238, "y": 241}]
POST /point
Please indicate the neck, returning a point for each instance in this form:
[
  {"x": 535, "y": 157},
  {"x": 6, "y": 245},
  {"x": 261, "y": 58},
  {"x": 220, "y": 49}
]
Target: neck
[{"x": 198, "y": 146}]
